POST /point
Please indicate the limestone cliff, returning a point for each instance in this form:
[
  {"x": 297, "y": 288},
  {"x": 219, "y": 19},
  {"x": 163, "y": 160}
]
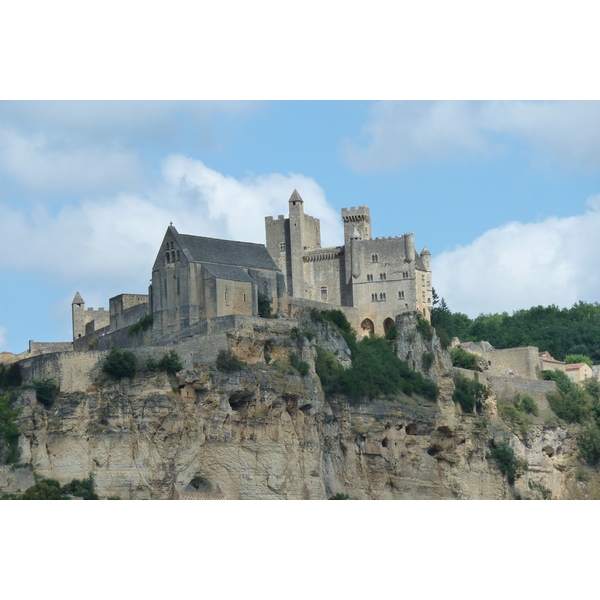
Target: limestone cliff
[{"x": 266, "y": 432}]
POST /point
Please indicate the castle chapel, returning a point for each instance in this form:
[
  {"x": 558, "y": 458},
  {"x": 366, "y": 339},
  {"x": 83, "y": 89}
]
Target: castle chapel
[{"x": 196, "y": 278}]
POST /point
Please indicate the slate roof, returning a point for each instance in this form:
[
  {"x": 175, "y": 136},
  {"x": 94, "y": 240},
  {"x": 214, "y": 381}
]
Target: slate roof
[
  {"x": 228, "y": 252},
  {"x": 227, "y": 272}
]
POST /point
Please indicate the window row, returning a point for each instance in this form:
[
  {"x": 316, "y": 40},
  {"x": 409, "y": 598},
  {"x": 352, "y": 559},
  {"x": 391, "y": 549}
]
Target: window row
[
  {"x": 382, "y": 277},
  {"x": 172, "y": 257},
  {"x": 381, "y": 297}
]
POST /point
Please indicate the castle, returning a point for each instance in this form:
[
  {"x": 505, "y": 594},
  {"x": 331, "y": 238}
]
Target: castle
[{"x": 197, "y": 278}]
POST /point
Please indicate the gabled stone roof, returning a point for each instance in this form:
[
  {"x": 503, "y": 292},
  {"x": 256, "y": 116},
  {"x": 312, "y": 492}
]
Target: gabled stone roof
[
  {"x": 227, "y": 252},
  {"x": 228, "y": 272}
]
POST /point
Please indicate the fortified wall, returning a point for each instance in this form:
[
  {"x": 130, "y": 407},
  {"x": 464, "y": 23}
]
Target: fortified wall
[{"x": 523, "y": 362}]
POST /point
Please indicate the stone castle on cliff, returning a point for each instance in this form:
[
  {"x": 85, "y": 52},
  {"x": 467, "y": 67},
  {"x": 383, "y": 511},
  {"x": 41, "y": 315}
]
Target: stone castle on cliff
[{"x": 195, "y": 278}]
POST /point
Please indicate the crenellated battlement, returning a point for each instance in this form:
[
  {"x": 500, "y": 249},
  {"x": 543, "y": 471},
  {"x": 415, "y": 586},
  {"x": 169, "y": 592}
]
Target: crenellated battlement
[{"x": 352, "y": 214}]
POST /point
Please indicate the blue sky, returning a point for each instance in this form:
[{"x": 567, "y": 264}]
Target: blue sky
[{"x": 506, "y": 195}]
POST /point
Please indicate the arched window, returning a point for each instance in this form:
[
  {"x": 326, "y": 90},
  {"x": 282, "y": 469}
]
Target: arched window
[
  {"x": 178, "y": 258},
  {"x": 367, "y": 327},
  {"x": 387, "y": 324},
  {"x": 172, "y": 256},
  {"x": 168, "y": 258}
]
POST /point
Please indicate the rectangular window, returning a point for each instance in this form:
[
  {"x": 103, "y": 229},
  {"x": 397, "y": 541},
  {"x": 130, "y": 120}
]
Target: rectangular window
[{"x": 324, "y": 293}]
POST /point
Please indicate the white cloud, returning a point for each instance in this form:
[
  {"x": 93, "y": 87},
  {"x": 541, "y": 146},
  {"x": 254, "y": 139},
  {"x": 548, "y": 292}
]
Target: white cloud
[
  {"x": 403, "y": 133},
  {"x": 112, "y": 242},
  {"x": 3, "y": 341},
  {"x": 54, "y": 165},
  {"x": 521, "y": 265}
]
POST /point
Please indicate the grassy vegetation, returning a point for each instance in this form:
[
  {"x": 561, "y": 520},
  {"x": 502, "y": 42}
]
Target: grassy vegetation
[{"x": 141, "y": 325}]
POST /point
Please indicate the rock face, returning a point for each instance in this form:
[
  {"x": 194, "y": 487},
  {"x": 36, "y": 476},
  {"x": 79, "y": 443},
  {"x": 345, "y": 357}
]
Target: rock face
[{"x": 266, "y": 432}]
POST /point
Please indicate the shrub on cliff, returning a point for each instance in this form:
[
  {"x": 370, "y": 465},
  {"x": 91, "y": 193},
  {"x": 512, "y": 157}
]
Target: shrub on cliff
[
  {"x": 510, "y": 466},
  {"x": 469, "y": 393},
  {"x": 376, "y": 372},
  {"x": 46, "y": 391},
  {"x": 50, "y": 489},
  {"x": 300, "y": 365},
  {"x": 120, "y": 363},
  {"x": 228, "y": 362},
  {"x": 9, "y": 431},
  {"x": 571, "y": 403},
  {"x": 463, "y": 359},
  {"x": 10, "y": 376},
  {"x": 589, "y": 445}
]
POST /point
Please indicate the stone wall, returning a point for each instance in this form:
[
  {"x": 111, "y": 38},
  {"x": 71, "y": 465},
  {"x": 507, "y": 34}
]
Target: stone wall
[
  {"x": 524, "y": 362},
  {"x": 72, "y": 371},
  {"x": 49, "y": 347},
  {"x": 125, "y": 309},
  {"x": 506, "y": 387}
]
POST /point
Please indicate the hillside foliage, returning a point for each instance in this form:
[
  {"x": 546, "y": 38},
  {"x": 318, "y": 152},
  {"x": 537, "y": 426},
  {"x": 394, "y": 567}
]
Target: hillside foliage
[
  {"x": 376, "y": 370},
  {"x": 560, "y": 331}
]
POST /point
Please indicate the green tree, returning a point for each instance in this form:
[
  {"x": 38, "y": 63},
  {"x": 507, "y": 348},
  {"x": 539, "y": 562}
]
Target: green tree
[
  {"x": 589, "y": 445},
  {"x": 571, "y": 359},
  {"x": 170, "y": 362},
  {"x": 265, "y": 304},
  {"x": 120, "y": 363}
]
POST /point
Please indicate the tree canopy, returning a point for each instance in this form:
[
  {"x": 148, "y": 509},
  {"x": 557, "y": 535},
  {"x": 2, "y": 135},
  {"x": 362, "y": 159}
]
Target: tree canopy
[{"x": 560, "y": 331}]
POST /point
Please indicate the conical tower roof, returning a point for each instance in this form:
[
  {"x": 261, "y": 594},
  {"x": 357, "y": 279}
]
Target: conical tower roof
[
  {"x": 295, "y": 197},
  {"x": 78, "y": 299}
]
